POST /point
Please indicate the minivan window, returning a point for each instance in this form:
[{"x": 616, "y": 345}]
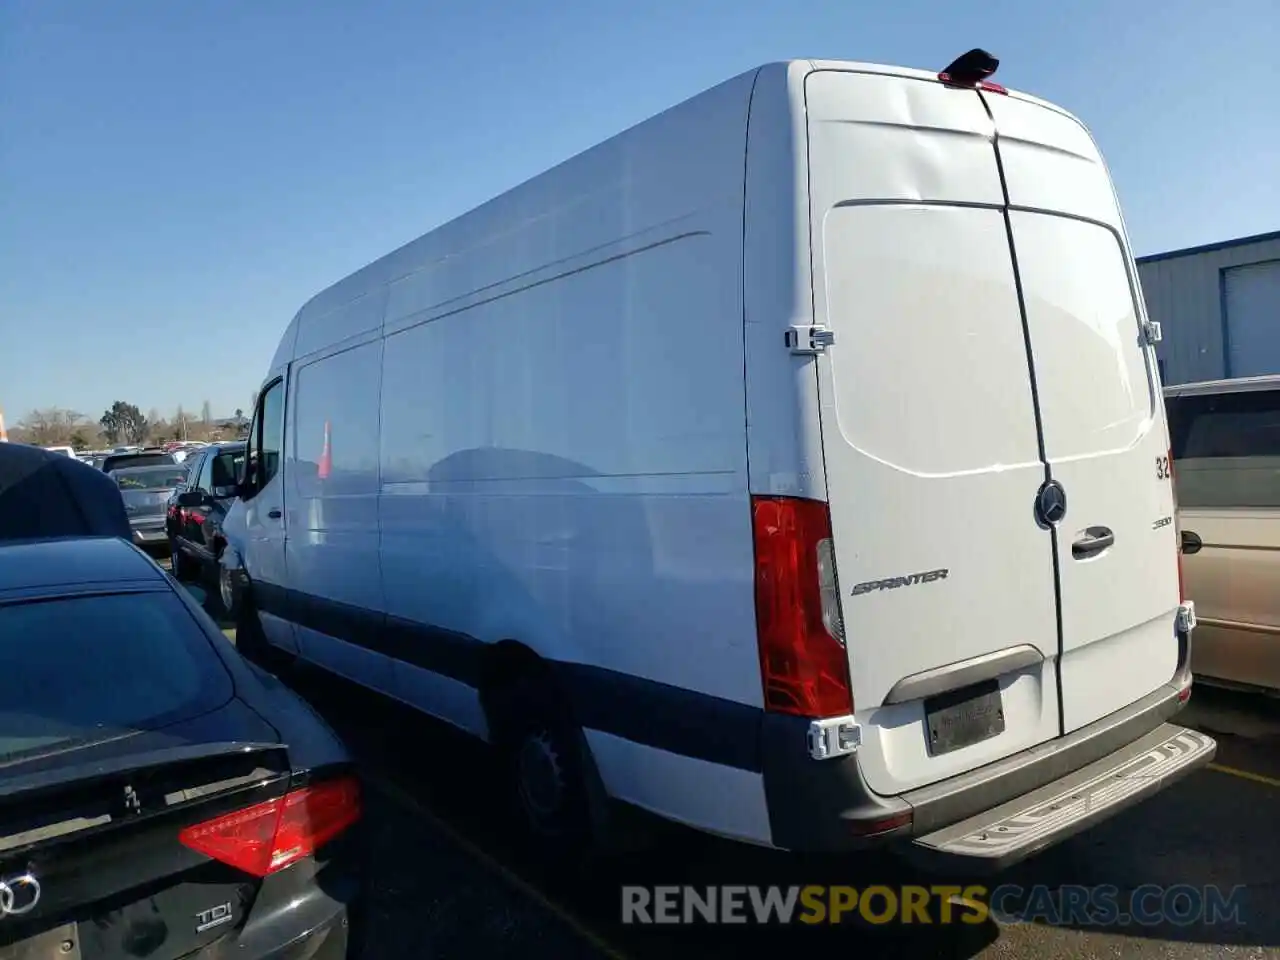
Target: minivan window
[
  {"x": 81, "y": 669},
  {"x": 1226, "y": 448}
]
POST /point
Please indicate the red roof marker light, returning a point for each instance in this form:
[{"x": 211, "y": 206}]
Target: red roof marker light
[{"x": 972, "y": 69}]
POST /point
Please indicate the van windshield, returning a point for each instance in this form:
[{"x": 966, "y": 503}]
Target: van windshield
[{"x": 1226, "y": 449}]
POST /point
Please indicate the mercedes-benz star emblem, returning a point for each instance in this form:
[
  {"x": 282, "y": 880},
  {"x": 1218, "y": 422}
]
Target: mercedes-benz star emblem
[
  {"x": 18, "y": 895},
  {"x": 1051, "y": 503}
]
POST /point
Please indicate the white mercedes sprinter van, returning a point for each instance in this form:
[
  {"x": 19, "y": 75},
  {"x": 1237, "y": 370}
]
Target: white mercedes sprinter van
[{"x": 792, "y": 465}]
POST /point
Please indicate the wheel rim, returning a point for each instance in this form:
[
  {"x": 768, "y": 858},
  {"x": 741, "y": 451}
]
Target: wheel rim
[
  {"x": 541, "y": 778},
  {"x": 224, "y": 587}
]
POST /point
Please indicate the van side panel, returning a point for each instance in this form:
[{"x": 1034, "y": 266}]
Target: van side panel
[{"x": 563, "y": 455}]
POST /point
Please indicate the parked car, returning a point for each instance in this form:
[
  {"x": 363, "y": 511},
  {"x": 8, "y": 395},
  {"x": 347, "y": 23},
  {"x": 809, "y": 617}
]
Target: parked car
[
  {"x": 188, "y": 803},
  {"x": 136, "y": 458},
  {"x": 1225, "y": 437},
  {"x": 146, "y": 492},
  {"x": 806, "y": 483},
  {"x": 194, "y": 516},
  {"x": 45, "y": 494}
]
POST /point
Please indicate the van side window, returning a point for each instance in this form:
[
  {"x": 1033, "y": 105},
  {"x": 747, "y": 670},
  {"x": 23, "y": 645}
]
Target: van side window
[
  {"x": 1226, "y": 448},
  {"x": 271, "y": 439}
]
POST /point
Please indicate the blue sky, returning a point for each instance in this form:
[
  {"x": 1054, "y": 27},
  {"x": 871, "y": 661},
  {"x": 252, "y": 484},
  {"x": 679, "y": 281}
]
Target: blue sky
[{"x": 178, "y": 176}]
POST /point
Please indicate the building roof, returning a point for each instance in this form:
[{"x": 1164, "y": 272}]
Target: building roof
[{"x": 1211, "y": 247}]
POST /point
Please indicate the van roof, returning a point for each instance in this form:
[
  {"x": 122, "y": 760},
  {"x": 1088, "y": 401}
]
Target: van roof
[
  {"x": 1235, "y": 385},
  {"x": 357, "y": 285}
]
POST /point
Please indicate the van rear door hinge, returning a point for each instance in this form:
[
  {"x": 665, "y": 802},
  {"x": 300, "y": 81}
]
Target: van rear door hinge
[
  {"x": 807, "y": 340},
  {"x": 1151, "y": 332}
]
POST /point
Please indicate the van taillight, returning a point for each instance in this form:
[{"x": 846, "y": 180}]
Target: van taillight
[
  {"x": 803, "y": 662},
  {"x": 269, "y": 836}
]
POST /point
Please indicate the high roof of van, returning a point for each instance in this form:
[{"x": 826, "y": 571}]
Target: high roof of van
[{"x": 356, "y": 293}]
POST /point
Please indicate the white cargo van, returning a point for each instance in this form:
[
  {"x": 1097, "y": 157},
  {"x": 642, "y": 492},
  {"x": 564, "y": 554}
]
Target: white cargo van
[{"x": 792, "y": 465}]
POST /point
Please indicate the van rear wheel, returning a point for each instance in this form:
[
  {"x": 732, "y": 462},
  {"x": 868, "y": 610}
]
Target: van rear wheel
[{"x": 541, "y": 748}]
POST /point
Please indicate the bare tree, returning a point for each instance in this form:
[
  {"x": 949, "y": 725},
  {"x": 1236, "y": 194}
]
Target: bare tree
[{"x": 51, "y": 426}]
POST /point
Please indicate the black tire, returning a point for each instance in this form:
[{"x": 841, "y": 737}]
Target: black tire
[
  {"x": 542, "y": 751},
  {"x": 180, "y": 565},
  {"x": 223, "y": 595}
]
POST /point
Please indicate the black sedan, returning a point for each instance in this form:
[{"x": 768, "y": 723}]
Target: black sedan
[
  {"x": 194, "y": 515},
  {"x": 160, "y": 796}
]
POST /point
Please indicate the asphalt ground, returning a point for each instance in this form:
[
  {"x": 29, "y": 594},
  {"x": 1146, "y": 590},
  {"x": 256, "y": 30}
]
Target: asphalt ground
[{"x": 452, "y": 878}]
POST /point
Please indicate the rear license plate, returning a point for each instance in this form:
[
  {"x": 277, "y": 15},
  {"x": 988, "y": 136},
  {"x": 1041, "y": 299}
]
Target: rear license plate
[
  {"x": 961, "y": 718},
  {"x": 60, "y": 943}
]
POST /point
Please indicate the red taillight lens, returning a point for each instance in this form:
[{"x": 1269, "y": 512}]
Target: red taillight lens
[
  {"x": 803, "y": 662},
  {"x": 986, "y": 85},
  {"x": 269, "y": 836}
]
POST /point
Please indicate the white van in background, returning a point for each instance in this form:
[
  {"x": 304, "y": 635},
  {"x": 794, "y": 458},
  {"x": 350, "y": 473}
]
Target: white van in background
[{"x": 792, "y": 466}]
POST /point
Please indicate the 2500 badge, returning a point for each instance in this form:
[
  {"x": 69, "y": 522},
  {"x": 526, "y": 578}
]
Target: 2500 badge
[{"x": 893, "y": 583}]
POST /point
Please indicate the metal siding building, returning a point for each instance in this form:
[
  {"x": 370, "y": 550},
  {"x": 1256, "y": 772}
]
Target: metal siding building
[{"x": 1218, "y": 306}]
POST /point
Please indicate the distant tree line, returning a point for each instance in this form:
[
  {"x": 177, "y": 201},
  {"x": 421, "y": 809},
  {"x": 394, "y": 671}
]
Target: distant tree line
[{"x": 122, "y": 423}]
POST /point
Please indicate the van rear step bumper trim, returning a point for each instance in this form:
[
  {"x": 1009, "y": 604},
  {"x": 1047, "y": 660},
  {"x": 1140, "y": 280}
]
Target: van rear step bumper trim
[{"x": 1028, "y": 824}]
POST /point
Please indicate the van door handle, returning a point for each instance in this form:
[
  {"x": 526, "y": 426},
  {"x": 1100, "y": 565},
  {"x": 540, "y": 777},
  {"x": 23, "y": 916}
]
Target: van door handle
[
  {"x": 1191, "y": 542},
  {"x": 273, "y": 514},
  {"x": 1094, "y": 541}
]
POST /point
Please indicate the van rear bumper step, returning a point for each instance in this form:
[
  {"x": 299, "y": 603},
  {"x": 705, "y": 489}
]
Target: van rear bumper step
[{"x": 1012, "y": 831}]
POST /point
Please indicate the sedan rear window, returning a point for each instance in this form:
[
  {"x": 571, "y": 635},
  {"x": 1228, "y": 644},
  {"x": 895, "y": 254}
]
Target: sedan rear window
[
  {"x": 82, "y": 669},
  {"x": 151, "y": 478},
  {"x": 137, "y": 460}
]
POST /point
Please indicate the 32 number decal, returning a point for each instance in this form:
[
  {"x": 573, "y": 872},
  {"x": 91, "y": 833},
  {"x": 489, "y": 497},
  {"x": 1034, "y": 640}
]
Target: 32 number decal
[{"x": 1162, "y": 468}]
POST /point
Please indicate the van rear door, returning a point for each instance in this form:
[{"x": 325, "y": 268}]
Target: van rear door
[
  {"x": 1101, "y": 413},
  {"x": 929, "y": 430},
  {"x": 975, "y": 626}
]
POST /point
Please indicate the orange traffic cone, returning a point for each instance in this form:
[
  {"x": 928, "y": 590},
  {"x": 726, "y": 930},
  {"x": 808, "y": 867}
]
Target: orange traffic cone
[{"x": 326, "y": 457}]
